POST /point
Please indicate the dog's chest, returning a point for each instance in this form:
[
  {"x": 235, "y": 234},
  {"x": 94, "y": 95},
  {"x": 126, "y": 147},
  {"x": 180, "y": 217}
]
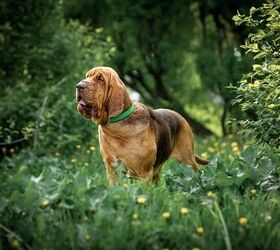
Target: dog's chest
[{"x": 121, "y": 148}]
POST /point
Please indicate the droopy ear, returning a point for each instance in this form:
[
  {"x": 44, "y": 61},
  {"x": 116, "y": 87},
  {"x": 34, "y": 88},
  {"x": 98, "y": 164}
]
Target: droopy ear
[
  {"x": 100, "y": 77},
  {"x": 116, "y": 100}
]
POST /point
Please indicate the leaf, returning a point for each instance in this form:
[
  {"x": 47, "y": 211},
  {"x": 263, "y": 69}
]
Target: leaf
[{"x": 223, "y": 180}]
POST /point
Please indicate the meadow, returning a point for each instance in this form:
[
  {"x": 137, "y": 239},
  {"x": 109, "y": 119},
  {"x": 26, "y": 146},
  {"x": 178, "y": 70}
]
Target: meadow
[
  {"x": 64, "y": 202},
  {"x": 214, "y": 62}
]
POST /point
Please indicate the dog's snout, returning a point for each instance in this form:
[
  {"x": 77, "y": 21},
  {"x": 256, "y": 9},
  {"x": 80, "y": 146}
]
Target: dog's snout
[{"x": 81, "y": 85}]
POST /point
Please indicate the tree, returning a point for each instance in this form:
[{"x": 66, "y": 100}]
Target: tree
[
  {"x": 41, "y": 62},
  {"x": 151, "y": 50}
]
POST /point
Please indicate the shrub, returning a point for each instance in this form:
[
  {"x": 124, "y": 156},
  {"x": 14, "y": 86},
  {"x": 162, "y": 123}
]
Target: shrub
[
  {"x": 40, "y": 72},
  {"x": 259, "y": 90}
]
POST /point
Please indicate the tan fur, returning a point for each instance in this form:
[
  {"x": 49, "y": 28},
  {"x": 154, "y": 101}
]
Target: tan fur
[{"x": 144, "y": 140}]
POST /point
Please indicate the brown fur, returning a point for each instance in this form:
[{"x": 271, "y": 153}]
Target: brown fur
[{"x": 144, "y": 140}]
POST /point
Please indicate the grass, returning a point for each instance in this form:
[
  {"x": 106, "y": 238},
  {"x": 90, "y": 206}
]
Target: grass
[{"x": 62, "y": 201}]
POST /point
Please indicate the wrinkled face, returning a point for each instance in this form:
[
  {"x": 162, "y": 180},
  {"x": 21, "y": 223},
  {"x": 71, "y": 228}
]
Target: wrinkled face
[
  {"x": 90, "y": 94},
  {"x": 101, "y": 95}
]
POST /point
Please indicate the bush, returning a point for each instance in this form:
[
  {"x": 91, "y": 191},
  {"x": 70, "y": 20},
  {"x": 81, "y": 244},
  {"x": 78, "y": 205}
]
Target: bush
[
  {"x": 259, "y": 90},
  {"x": 40, "y": 72}
]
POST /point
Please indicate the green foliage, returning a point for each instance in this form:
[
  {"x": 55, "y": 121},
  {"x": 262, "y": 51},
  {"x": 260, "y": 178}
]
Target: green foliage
[
  {"x": 43, "y": 197},
  {"x": 44, "y": 57},
  {"x": 259, "y": 90}
]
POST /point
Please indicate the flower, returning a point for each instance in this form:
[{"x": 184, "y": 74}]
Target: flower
[
  {"x": 15, "y": 244},
  {"x": 211, "y": 194},
  {"x": 86, "y": 164},
  {"x": 45, "y": 203},
  {"x": 195, "y": 248},
  {"x": 253, "y": 191},
  {"x": 204, "y": 155},
  {"x": 243, "y": 221},
  {"x": 125, "y": 185},
  {"x": 141, "y": 200},
  {"x": 230, "y": 136},
  {"x": 78, "y": 146},
  {"x": 236, "y": 150},
  {"x": 57, "y": 154},
  {"x": 12, "y": 150},
  {"x": 166, "y": 215},
  {"x": 234, "y": 144},
  {"x": 73, "y": 160},
  {"x": 184, "y": 210},
  {"x": 92, "y": 148},
  {"x": 135, "y": 216},
  {"x": 200, "y": 230},
  {"x": 85, "y": 218}
]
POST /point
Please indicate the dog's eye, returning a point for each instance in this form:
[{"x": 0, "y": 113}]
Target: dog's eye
[{"x": 100, "y": 78}]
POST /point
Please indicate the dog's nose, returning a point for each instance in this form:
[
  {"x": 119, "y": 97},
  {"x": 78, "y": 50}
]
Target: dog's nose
[{"x": 81, "y": 85}]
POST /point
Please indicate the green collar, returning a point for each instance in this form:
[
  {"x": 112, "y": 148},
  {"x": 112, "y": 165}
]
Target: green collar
[{"x": 122, "y": 115}]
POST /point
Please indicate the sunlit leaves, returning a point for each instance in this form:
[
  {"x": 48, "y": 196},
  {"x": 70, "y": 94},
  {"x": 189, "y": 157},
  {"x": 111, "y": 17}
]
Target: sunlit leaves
[{"x": 262, "y": 99}]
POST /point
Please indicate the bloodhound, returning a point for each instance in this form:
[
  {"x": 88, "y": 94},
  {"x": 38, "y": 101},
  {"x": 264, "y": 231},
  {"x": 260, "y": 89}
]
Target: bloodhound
[{"x": 140, "y": 138}]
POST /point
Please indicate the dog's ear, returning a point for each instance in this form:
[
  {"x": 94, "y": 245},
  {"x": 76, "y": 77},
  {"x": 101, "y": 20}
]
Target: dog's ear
[
  {"x": 117, "y": 95},
  {"x": 100, "y": 77}
]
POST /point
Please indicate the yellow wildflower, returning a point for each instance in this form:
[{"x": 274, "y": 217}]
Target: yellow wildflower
[
  {"x": 195, "y": 248},
  {"x": 166, "y": 215},
  {"x": 57, "y": 154},
  {"x": 184, "y": 210},
  {"x": 87, "y": 237},
  {"x": 73, "y": 160},
  {"x": 234, "y": 144},
  {"x": 125, "y": 185},
  {"x": 200, "y": 230},
  {"x": 204, "y": 155},
  {"x": 92, "y": 148},
  {"x": 141, "y": 200},
  {"x": 230, "y": 136},
  {"x": 78, "y": 146},
  {"x": 253, "y": 191},
  {"x": 12, "y": 150},
  {"x": 135, "y": 216},
  {"x": 210, "y": 194},
  {"x": 243, "y": 221},
  {"x": 45, "y": 203},
  {"x": 86, "y": 164},
  {"x": 15, "y": 244},
  {"x": 85, "y": 218},
  {"x": 236, "y": 150}
]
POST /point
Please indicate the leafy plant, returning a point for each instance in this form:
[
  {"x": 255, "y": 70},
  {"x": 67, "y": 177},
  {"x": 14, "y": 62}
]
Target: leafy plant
[{"x": 259, "y": 90}]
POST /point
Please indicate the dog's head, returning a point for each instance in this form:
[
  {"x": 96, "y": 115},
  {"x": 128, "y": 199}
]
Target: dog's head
[{"x": 101, "y": 95}]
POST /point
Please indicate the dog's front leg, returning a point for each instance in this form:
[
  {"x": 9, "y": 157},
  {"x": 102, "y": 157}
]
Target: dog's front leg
[{"x": 111, "y": 172}]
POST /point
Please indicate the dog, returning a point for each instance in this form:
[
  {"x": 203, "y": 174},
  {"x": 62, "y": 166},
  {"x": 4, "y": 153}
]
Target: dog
[{"x": 131, "y": 134}]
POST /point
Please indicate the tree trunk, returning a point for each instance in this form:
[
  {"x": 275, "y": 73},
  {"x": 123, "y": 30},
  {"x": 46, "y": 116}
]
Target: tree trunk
[{"x": 223, "y": 119}]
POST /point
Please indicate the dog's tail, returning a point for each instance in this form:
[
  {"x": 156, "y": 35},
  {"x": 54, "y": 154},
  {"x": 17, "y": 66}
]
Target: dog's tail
[{"x": 201, "y": 161}]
